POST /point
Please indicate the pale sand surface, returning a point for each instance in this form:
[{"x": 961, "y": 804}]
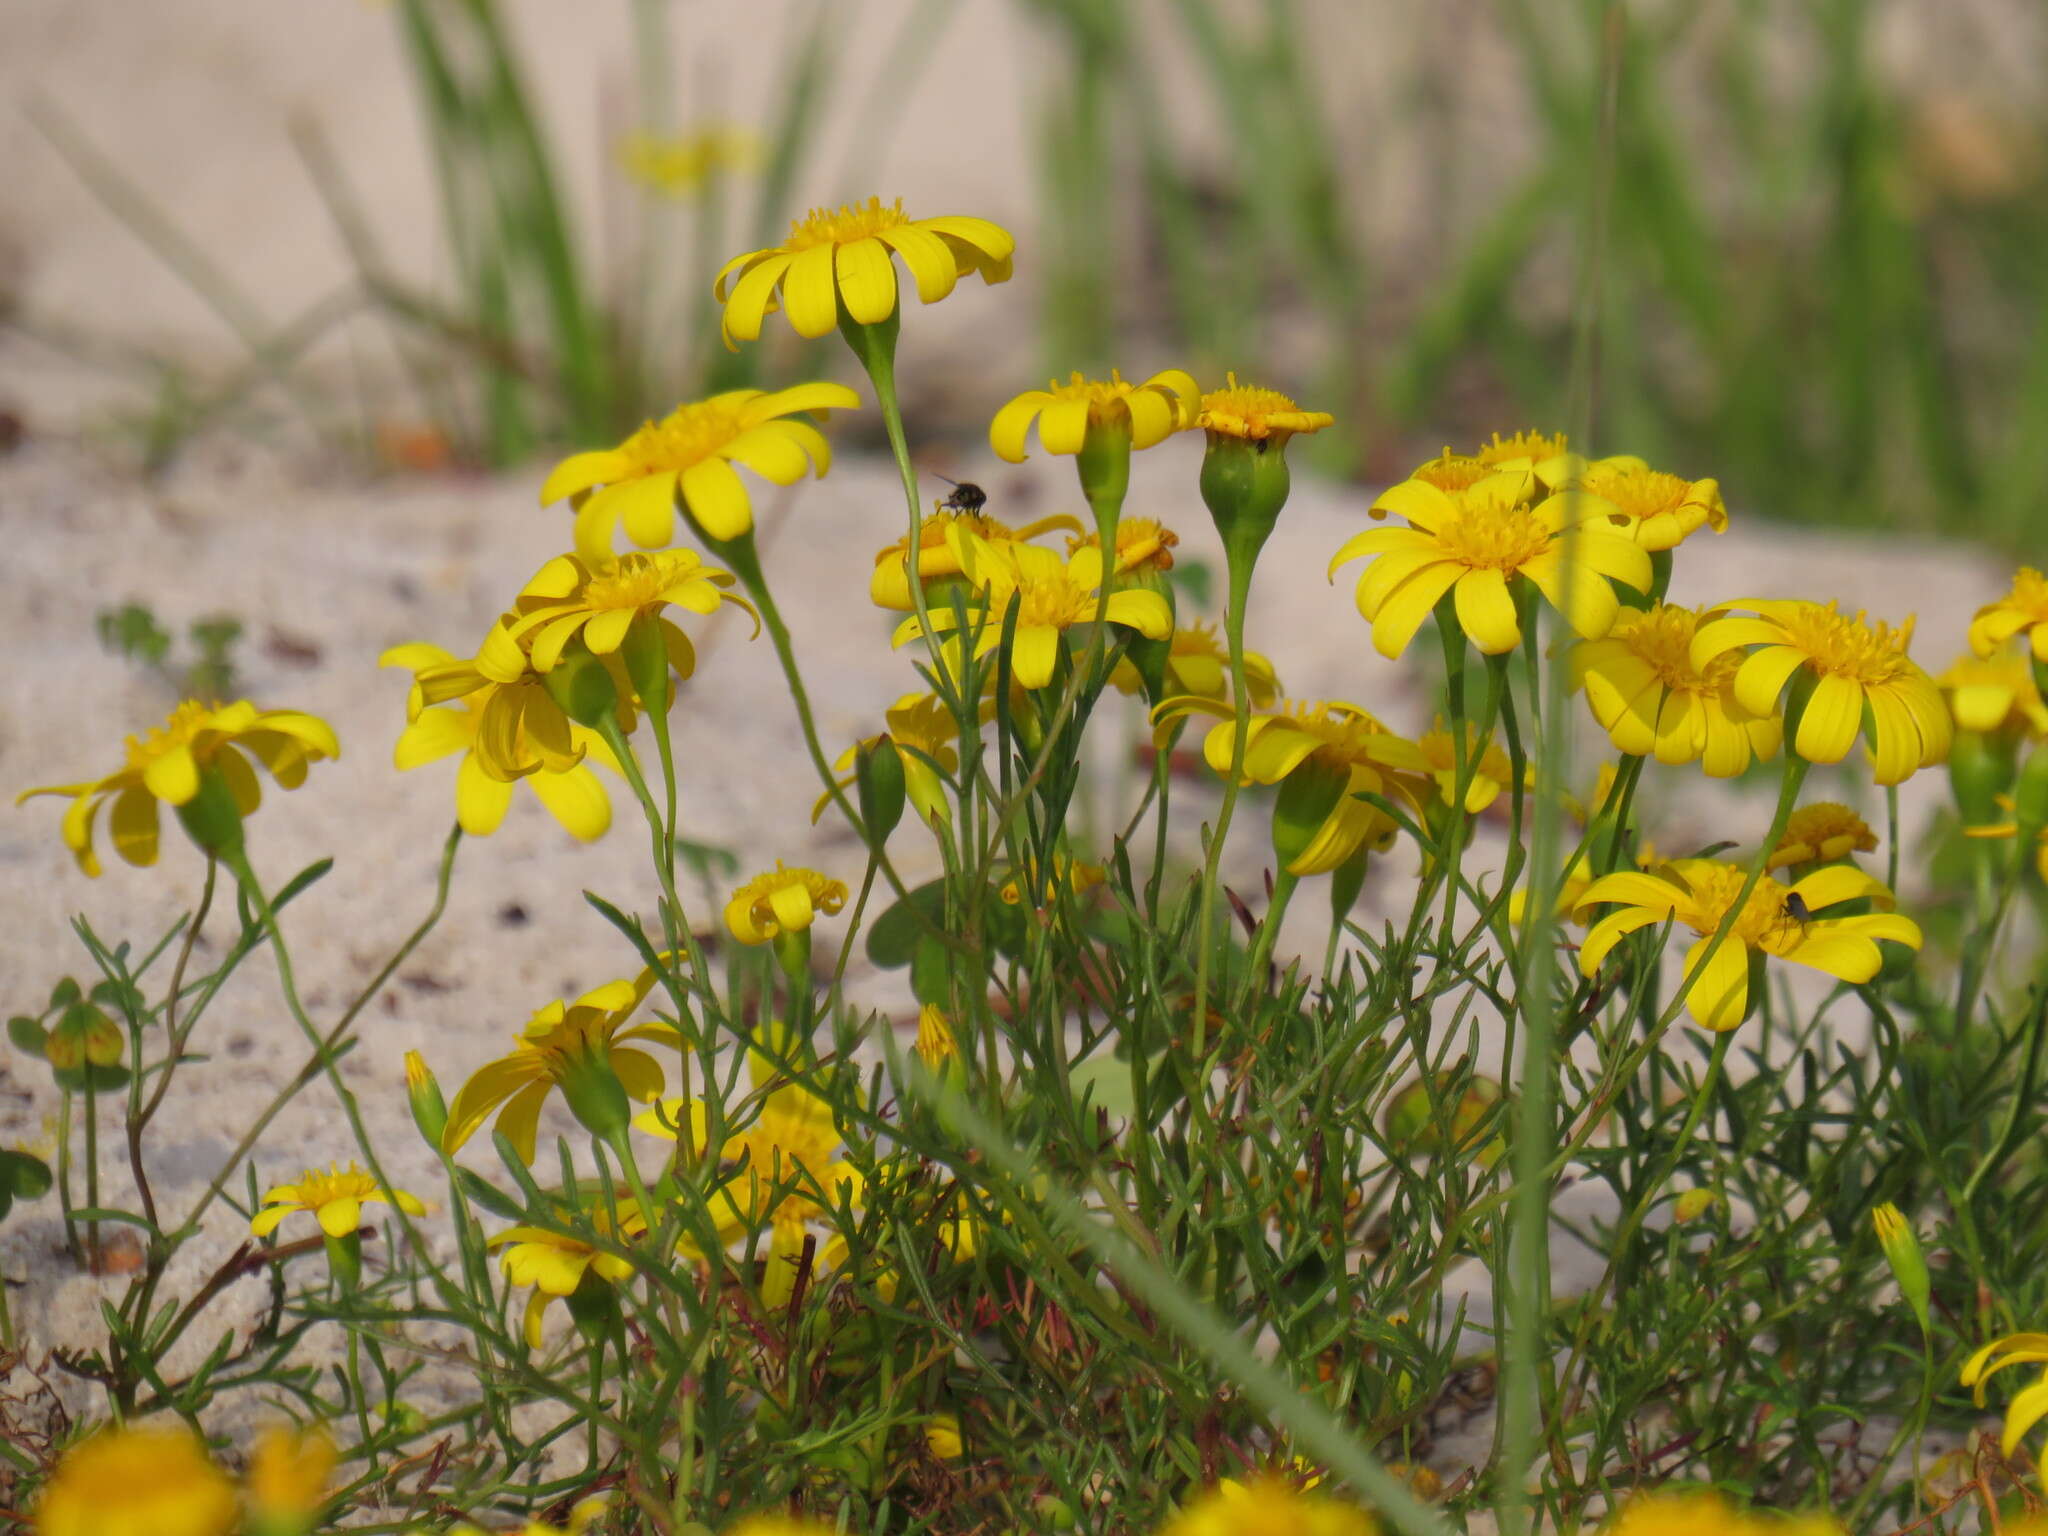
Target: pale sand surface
[{"x": 342, "y": 569}]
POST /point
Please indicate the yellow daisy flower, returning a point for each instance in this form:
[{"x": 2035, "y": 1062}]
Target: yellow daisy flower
[
  {"x": 687, "y": 457},
  {"x": 1862, "y": 682},
  {"x": 1052, "y": 596},
  {"x": 781, "y": 901},
  {"x": 1995, "y": 693},
  {"x": 168, "y": 765},
  {"x": 1199, "y": 665},
  {"x": 1697, "y": 893},
  {"x": 1324, "y": 755},
  {"x": 1652, "y": 700},
  {"x": 2023, "y": 611},
  {"x": 839, "y": 260},
  {"x": 1655, "y": 509},
  {"x": 1821, "y": 833},
  {"x": 572, "y": 795},
  {"x": 520, "y": 729},
  {"x": 1480, "y": 544},
  {"x": 335, "y": 1199},
  {"x": 939, "y": 553},
  {"x": 555, "y": 1264},
  {"x": 570, "y": 598},
  {"x": 1152, "y": 412},
  {"x": 1486, "y": 761},
  {"x": 942, "y": 1437},
  {"x": 568, "y": 1046},
  {"x": 1142, "y": 544},
  {"x": 781, "y": 1173},
  {"x": 289, "y": 1477},
  {"x": 685, "y": 164},
  {"x": 1253, "y": 414},
  {"x": 1077, "y": 874},
  {"x": 2030, "y": 1404},
  {"x": 923, "y": 732},
  {"x": 137, "y": 1482},
  {"x": 1268, "y": 1506}
]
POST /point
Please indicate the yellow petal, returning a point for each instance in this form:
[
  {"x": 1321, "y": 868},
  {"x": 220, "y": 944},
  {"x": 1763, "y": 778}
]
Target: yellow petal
[
  {"x": 929, "y": 258},
  {"x": 575, "y": 799},
  {"x": 1720, "y": 997},
  {"x": 1486, "y": 612},
  {"x": 810, "y": 294},
  {"x": 717, "y": 499},
  {"x": 340, "y": 1217},
  {"x": 867, "y": 281},
  {"x": 752, "y": 295},
  {"x": 133, "y": 825},
  {"x": 173, "y": 777},
  {"x": 580, "y": 471},
  {"x": 1006, "y": 434},
  {"x": 480, "y": 800},
  {"x": 1833, "y": 717}
]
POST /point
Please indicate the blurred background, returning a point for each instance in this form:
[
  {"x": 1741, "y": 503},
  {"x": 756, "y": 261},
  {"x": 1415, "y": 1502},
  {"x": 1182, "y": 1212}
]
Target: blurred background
[{"x": 1796, "y": 244}]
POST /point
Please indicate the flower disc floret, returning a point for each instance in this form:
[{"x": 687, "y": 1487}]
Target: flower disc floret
[
  {"x": 167, "y": 765},
  {"x": 2023, "y": 611},
  {"x": 840, "y": 260},
  {"x": 335, "y": 1198},
  {"x": 687, "y": 458},
  {"x": 1862, "y": 682},
  {"x": 1254, "y": 414},
  {"x": 1698, "y": 893},
  {"x": 1646, "y": 693},
  {"x": 1479, "y": 545},
  {"x": 783, "y": 900},
  {"x": 1152, "y": 411}
]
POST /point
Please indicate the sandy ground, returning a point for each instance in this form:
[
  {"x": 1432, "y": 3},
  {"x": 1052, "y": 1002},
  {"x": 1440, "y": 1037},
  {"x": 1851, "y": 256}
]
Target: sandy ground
[{"x": 326, "y": 575}]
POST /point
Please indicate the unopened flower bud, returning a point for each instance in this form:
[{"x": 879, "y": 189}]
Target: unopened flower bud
[
  {"x": 1694, "y": 1204},
  {"x": 1902, "y": 1251},
  {"x": 423, "y": 1093}
]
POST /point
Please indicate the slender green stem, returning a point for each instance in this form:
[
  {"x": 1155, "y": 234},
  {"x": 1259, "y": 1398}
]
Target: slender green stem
[
  {"x": 1284, "y": 883},
  {"x": 1240, "y": 736}
]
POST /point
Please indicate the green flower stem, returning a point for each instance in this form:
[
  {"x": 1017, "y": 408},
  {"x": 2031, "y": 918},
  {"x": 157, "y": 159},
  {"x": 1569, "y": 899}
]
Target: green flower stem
[
  {"x": 676, "y": 937},
  {"x": 1284, "y": 883},
  {"x": 92, "y": 1165},
  {"x": 1240, "y": 569},
  {"x": 64, "y": 1170}
]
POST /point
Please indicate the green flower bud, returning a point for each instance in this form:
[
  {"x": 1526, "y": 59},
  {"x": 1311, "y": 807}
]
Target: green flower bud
[
  {"x": 1244, "y": 485},
  {"x": 596, "y": 1097},
  {"x": 1902, "y": 1251},
  {"x": 878, "y": 782},
  {"x": 423, "y": 1094},
  {"x": 594, "y": 1305}
]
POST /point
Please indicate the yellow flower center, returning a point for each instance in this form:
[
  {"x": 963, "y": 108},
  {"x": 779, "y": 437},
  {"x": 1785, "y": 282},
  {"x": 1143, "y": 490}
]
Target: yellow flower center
[
  {"x": 1050, "y": 602},
  {"x": 1661, "y": 638},
  {"x": 1638, "y": 493},
  {"x": 688, "y": 435},
  {"x": 1764, "y": 920},
  {"x": 1492, "y": 533},
  {"x": 183, "y": 726},
  {"x": 1199, "y": 639},
  {"x": 1837, "y": 645},
  {"x": 636, "y": 581},
  {"x": 1441, "y": 750},
  {"x": 565, "y": 1036},
  {"x": 844, "y": 225},
  {"x": 1523, "y": 445},
  {"x": 1453, "y": 472},
  {"x": 1105, "y": 397}
]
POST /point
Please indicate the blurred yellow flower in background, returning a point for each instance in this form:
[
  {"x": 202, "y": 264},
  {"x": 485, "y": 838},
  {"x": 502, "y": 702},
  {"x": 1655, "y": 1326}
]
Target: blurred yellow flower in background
[
  {"x": 1198, "y": 665},
  {"x": 2030, "y": 1404},
  {"x": 682, "y": 165},
  {"x": 841, "y": 259},
  {"x": 137, "y": 1482},
  {"x": 1821, "y": 833},
  {"x": 1142, "y": 544},
  {"x": 688, "y": 457},
  {"x": 1486, "y": 762},
  {"x": 288, "y": 1478},
  {"x": 2023, "y": 611},
  {"x": 1267, "y": 1506},
  {"x": 1995, "y": 693}
]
